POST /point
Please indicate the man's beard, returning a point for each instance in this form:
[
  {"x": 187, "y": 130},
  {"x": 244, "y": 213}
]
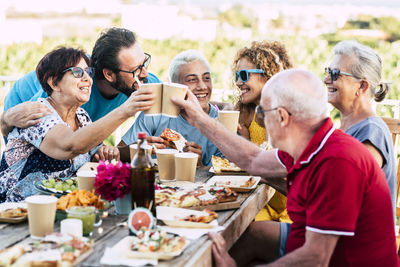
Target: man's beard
[{"x": 121, "y": 86}]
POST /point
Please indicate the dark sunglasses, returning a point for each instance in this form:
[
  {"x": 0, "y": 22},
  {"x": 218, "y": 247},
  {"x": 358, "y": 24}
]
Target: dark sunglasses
[
  {"x": 261, "y": 112},
  {"x": 244, "y": 74},
  {"x": 145, "y": 65},
  {"x": 335, "y": 73},
  {"x": 78, "y": 71}
]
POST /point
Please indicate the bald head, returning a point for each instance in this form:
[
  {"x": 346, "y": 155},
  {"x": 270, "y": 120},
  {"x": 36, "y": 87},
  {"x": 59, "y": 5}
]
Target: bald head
[{"x": 300, "y": 91}]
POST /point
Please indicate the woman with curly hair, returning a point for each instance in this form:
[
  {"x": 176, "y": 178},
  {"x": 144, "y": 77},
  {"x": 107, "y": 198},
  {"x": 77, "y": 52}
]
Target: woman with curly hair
[{"x": 253, "y": 67}]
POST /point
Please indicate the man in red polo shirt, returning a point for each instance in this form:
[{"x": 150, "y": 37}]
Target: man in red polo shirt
[{"x": 338, "y": 198}]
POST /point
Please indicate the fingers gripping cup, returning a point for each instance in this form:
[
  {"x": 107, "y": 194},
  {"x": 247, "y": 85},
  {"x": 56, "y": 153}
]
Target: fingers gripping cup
[
  {"x": 41, "y": 214},
  {"x": 230, "y": 119},
  {"x": 166, "y": 163},
  {"x": 185, "y": 166}
]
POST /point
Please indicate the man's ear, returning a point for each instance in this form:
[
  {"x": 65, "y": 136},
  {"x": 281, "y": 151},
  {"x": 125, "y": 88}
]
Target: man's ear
[
  {"x": 51, "y": 83},
  {"x": 283, "y": 116},
  {"x": 109, "y": 75}
]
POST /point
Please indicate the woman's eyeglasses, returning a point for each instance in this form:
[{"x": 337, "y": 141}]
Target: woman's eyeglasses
[
  {"x": 335, "y": 73},
  {"x": 244, "y": 74},
  {"x": 145, "y": 65},
  {"x": 78, "y": 72}
]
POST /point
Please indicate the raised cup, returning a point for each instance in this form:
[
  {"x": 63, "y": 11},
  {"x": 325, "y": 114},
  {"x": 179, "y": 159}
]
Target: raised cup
[
  {"x": 172, "y": 89},
  {"x": 230, "y": 119}
]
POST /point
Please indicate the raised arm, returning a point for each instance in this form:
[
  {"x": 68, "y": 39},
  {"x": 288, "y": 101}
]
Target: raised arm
[
  {"x": 63, "y": 143},
  {"x": 23, "y": 115},
  {"x": 237, "y": 149}
]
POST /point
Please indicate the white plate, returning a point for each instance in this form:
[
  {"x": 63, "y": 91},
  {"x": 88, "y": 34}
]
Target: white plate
[
  {"x": 12, "y": 205},
  {"x": 171, "y": 217},
  {"x": 123, "y": 248},
  {"x": 235, "y": 182}
]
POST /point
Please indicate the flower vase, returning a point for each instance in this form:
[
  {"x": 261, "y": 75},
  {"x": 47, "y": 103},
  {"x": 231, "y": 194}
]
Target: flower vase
[{"x": 123, "y": 205}]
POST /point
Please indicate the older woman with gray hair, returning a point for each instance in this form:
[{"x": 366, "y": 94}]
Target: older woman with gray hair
[
  {"x": 353, "y": 80},
  {"x": 192, "y": 69}
]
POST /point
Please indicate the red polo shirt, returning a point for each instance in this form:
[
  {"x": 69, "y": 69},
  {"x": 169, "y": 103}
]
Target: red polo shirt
[{"x": 336, "y": 187}]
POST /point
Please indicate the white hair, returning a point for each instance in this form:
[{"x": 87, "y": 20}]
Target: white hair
[
  {"x": 367, "y": 65},
  {"x": 300, "y": 92},
  {"x": 183, "y": 58}
]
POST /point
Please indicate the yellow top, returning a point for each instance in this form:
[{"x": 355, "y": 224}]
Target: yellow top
[
  {"x": 257, "y": 133},
  {"x": 275, "y": 210}
]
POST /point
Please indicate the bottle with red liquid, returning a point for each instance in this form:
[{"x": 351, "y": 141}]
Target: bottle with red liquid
[{"x": 143, "y": 177}]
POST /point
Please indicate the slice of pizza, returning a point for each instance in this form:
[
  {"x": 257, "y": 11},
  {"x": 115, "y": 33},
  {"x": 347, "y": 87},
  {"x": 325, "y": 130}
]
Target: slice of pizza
[
  {"x": 173, "y": 139},
  {"x": 223, "y": 165},
  {"x": 223, "y": 194}
]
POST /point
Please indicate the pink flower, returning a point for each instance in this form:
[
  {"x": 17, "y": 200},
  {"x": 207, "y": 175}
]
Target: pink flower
[{"x": 113, "y": 180}]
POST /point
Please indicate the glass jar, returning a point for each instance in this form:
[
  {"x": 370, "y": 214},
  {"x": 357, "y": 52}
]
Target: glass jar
[{"x": 86, "y": 214}]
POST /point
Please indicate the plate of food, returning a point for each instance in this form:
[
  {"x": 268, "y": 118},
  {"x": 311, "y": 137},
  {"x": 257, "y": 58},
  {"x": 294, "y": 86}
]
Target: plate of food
[
  {"x": 236, "y": 183},
  {"x": 57, "y": 186},
  {"x": 221, "y": 166},
  {"x": 13, "y": 212},
  {"x": 186, "y": 218},
  {"x": 54, "y": 250},
  {"x": 151, "y": 244},
  {"x": 199, "y": 198}
]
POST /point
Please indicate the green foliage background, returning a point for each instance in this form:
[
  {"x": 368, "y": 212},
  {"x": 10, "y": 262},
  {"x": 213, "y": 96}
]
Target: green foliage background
[{"x": 306, "y": 52}]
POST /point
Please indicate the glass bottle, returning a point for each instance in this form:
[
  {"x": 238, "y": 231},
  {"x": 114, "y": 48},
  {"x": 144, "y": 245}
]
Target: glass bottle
[{"x": 143, "y": 177}]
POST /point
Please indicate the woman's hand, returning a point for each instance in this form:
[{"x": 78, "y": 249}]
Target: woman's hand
[
  {"x": 140, "y": 100},
  {"x": 107, "y": 153},
  {"x": 194, "y": 148}
]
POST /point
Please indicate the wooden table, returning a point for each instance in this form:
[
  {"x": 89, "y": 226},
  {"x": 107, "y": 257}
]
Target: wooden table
[{"x": 198, "y": 253}]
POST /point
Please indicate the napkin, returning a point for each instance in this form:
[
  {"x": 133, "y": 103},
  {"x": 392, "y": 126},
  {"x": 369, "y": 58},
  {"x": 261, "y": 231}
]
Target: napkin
[
  {"x": 191, "y": 233},
  {"x": 111, "y": 257}
]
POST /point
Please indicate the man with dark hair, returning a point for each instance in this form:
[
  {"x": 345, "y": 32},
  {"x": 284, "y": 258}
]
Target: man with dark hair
[{"x": 119, "y": 63}]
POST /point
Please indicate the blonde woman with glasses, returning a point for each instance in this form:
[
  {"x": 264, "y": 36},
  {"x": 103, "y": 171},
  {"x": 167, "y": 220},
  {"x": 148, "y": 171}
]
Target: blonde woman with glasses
[{"x": 252, "y": 67}]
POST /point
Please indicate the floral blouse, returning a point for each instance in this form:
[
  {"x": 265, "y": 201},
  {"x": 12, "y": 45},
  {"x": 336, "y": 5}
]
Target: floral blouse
[{"x": 23, "y": 164}]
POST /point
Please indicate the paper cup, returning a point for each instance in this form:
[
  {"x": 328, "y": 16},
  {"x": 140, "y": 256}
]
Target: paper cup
[
  {"x": 185, "y": 166},
  {"x": 86, "y": 179},
  {"x": 41, "y": 215},
  {"x": 172, "y": 89},
  {"x": 166, "y": 163},
  {"x": 133, "y": 150},
  {"x": 230, "y": 119},
  {"x": 157, "y": 90}
]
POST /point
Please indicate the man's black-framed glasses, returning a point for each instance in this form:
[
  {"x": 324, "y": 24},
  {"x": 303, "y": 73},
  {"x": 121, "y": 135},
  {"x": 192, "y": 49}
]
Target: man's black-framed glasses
[
  {"x": 244, "y": 74},
  {"x": 145, "y": 65},
  {"x": 78, "y": 72},
  {"x": 335, "y": 73},
  {"x": 261, "y": 112}
]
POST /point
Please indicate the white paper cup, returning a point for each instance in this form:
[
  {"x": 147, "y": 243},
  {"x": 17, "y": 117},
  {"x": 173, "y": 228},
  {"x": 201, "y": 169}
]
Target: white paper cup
[
  {"x": 86, "y": 179},
  {"x": 230, "y": 119},
  {"x": 166, "y": 163},
  {"x": 71, "y": 227},
  {"x": 185, "y": 166},
  {"x": 157, "y": 89},
  {"x": 133, "y": 150},
  {"x": 169, "y": 90},
  {"x": 41, "y": 215}
]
